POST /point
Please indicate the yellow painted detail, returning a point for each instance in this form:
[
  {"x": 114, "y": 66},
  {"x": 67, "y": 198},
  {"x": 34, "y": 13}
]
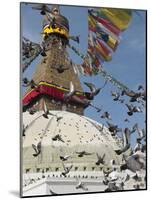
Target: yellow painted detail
[{"x": 61, "y": 31}]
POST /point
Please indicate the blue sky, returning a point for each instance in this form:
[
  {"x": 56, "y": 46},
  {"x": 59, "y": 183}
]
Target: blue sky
[{"x": 128, "y": 63}]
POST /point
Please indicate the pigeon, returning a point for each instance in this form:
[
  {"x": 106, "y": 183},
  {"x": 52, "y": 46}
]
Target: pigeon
[
  {"x": 106, "y": 172},
  {"x": 141, "y": 87},
  {"x": 43, "y": 9},
  {"x": 138, "y": 147},
  {"x": 97, "y": 109},
  {"x": 24, "y": 130},
  {"x": 83, "y": 153},
  {"x": 52, "y": 192},
  {"x": 60, "y": 68},
  {"x": 135, "y": 162},
  {"x": 126, "y": 144},
  {"x": 141, "y": 133},
  {"x": 75, "y": 38},
  {"x": 111, "y": 187},
  {"x": 57, "y": 138},
  {"x": 66, "y": 169},
  {"x": 26, "y": 82},
  {"x": 130, "y": 108},
  {"x": 43, "y": 53},
  {"x": 33, "y": 85},
  {"x": 143, "y": 148},
  {"x": 134, "y": 96},
  {"x": 37, "y": 149},
  {"x": 143, "y": 95},
  {"x": 106, "y": 115},
  {"x": 32, "y": 111},
  {"x": 114, "y": 94},
  {"x": 93, "y": 90},
  {"x": 100, "y": 159},
  {"x": 117, "y": 97},
  {"x": 81, "y": 185},
  {"x": 113, "y": 128},
  {"x": 105, "y": 180},
  {"x": 126, "y": 120},
  {"x": 136, "y": 177},
  {"x": 137, "y": 109},
  {"x": 121, "y": 100},
  {"x": 102, "y": 128},
  {"x": 71, "y": 92},
  {"x": 134, "y": 128},
  {"x": 137, "y": 186},
  {"x": 58, "y": 118},
  {"x": 46, "y": 111},
  {"x": 65, "y": 158}
]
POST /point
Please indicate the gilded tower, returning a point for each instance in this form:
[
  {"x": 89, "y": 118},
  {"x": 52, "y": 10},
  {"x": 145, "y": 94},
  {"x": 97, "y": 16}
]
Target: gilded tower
[{"x": 56, "y": 72}]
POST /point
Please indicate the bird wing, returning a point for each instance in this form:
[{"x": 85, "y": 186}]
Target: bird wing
[
  {"x": 98, "y": 156},
  {"x": 133, "y": 164},
  {"x": 39, "y": 146},
  {"x": 66, "y": 157},
  {"x": 130, "y": 93},
  {"x": 77, "y": 179},
  {"x": 91, "y": 86},
  {"x": 87, "y": 153},
  {"x": 45, "y": 107},
  {"x": 65, "y": 169},
  {"x": 34, "y": 147},
  {"x": 110, "y": 124},
  {"x": 60, "y": 139},
  {"x": 134, "y": 128},
  {"x": 97, "y": 91},
  {"x": 140, "y": 132},
  {"x": 126, "y": 136},
  {"x": 114, "y": 94},
  {"x": 69, "y": 168},
  {"x": 129, "y": 107},
  {"x": 103, "y": 156},
  {"x": 79, "y": 152},
  {"x": 71, "y": 86},
  {"x": 42, "y": 7}
]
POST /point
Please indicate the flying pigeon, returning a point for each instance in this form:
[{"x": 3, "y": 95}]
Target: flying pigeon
[
  {"x": 93, "y": 90},
  {"x": 66, "y": 169},
  {"x": 106, "y": 115},
  {"x": 126, "y": 145},
  {"x": 37, "y": 149},
  {"x": 81, "y": 185},
  {"x": 83, "y": 153},
  {"x": 100, "y": 159}
]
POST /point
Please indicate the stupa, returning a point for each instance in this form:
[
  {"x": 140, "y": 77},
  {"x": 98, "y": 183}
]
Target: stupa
[{"x": 63, "y": 151}]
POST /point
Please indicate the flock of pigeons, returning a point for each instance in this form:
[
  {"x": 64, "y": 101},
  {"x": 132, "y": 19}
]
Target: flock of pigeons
[{"x": 135, "y": 162}]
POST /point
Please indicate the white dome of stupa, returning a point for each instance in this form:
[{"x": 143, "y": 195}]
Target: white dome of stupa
[
  {"x": 77, "y": 133},
  {"x": 43, "y": 174}
]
